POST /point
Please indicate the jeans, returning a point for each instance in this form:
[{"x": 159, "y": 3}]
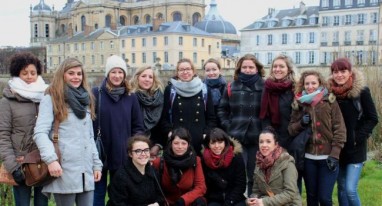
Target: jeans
[
  {"x": 22, "y": 195},
  {"x": 81, "y": 199},
  {"x": 319, "y": 182},
  {"x": 347, "y": 184},
  {"x": 249, "y": 156},
  {"x": 101, "y": 187}
]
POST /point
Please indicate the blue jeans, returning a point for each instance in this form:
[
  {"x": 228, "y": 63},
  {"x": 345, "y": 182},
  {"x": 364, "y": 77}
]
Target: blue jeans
[
  {"x": 347, "y": 184},
  {"x": 319, "y": 182},
  {"x": 22, "y": 195},
  {"x": 101, "y": 187},
  {"x": 249, "y": 156}
]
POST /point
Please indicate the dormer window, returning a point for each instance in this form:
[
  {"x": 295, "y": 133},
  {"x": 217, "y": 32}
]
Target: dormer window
[
  {"x": 258, "y": 25},
  {"x": 272, "y": 24},
  {"x": 300, "y": 21},
  {"x": 313, "y": 20},
  {"x": 286, "y": 22}
]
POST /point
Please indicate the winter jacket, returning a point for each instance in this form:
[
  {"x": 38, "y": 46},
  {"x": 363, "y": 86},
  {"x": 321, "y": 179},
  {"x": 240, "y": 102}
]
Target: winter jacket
[
  {"x": 227, "y": 185},
  {"x": 119, "y": 121},
  {"x": 239, "y": 112},
  {"x": 130, "y": 187},
  {"x": 190, "y": 113},
  {"x": 360, "y": 116},
  {"x": 17, "y": 120},
  {"x": 79, "y": 156},
  {"x": 220, "y": 88},
  {"x": 328, "y": 127},
  {"x": 282, "y": 182},
  {"x": 190, "y": 186}
]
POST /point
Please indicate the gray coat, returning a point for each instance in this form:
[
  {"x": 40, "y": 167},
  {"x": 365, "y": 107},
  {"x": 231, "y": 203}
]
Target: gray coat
[
  {"x": 17, "y": 119},
  {"x": 79, "y": 154}
]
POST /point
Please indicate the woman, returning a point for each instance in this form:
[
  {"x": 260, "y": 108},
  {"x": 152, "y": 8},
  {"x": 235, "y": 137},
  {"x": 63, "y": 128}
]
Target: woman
[
  {"x": 118, "y": 117},
  {"x": 69, "y": 101},
  {"x": 136, "y": 183},
  {"x": 188, "y": 104},
  {"x": 214, "y": 80},
  {"x": 181, "y": 171},
  {"x": 360, "y": 118},
  {"x": 18, "y": 111},
  {"x": 239, "y": 109},
  {"x": 275, "y": 174},
  {"x": 314, "y": 107},
  {"x": 149, "y": 90},
  {"x": 224, "y": 169}
]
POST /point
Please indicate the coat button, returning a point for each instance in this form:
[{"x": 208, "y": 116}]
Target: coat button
[
  {"x": 198, "y": 97},
  {"x": 180, "y": 103},
  {"x": 178, "y": 97},
  {"x": 318, "y": 123},
  {"x": 180, "y": 120},
  {"x": 320, "y": 146},
  {"x": 319, "y": 135},
  {"x": 198, "y": 104},
  {"x": 196, "y": 120},
  {"x": 197, "y": 112}
]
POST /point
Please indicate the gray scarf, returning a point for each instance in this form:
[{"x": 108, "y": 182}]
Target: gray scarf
[
  {"x": 187, "y": 89},
  {"x": 151, "y": 107},
  {"x": 77, "y": 99},
  {"x": 116, "y": 93}
]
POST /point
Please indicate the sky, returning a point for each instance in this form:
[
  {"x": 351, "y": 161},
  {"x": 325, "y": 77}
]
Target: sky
[{"x": 14, "y": 15}]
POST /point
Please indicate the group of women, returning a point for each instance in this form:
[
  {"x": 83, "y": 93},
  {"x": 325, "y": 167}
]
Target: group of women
[{"x": 218, "y": 139}]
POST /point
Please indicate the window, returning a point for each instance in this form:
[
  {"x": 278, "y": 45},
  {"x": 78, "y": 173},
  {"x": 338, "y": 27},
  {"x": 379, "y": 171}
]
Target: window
[
  {"x": 132, "y": 42},
  {"x": 154, "y": 57},
  {"x": 360, "y": 35},
  {"x": 336, "y": 21},
  {"x": 269, "y": 57},
  {"x": 102, "y": 59},
  {"x": 374, "y": 17},
  {"x": 373, "y": 57},
  {"x": 202, "y": 42},
  {"x": 298, "y": 38},
  {"x": 359, "y": 58},
  {"x": 92, "y": 45},
  {"x": 312, "y": 37},
  {"x": 154, "y": 41},
  {"x": 165, "y": 40},
  {"x": 143, "y": 42},
  {"x": 361, "y": 2},
  {"x": 336, "y": 3},
  {"x": 313, "y": 20},
  {"x": 325, "y": 21},
  {"x": 148, "y": 19},
  {"x": 271, "y": 24},
  {"x": 348, "y": 19},
  {"x": 123, "y": 43},
  {"x": 336, "y": 37},
  {"x": 177, "y": 16},
  {"x": 83, "y": 23},
  {"x": 133, "y": 60},
  {"x": 93, "y": 59},
  {"x": 311, "y": 57},
  {"x": 284, "y": 38},
  {"x": 347, "y": 38},
  {"x": 270, "y": 38},
  {"x": 325, "y": 3},
  {"x": 83, "y": 47},
  {"x": 373, "y": 35},
  {"x": 180, "y": 55},
  {"x": 166, "y": 57},
  {"x": 195, "y": 57},
  {"x": 297, "y": 57},
  {"x": 101, "y": 45},
  {"x": 325, "y": 57},
  {"x": 180, "y": 40},
  {"x": 217, "y": 45},
  {"x": 76, "y": 47},
  {"x": 257, "y": 40},
  {"x": 50, "y": 61},
  {"x": 285, "y": 23},
  {"x": 361, "y": 18},
  {"x": 299, "y": 21},
  {"x": 195, "y": 42},
  {"x": 36, "y": 31},
  {"x": 111, "y": 44},
  {"x": 373, "y": 1},
  {"x": 108, "y": 20},
  {"x": 46, "y": 30},
  {"x": 83, "y": 60},
  {"x": 258, "y": 25},
  {"x": 348, "y": 3},
  {"x": 144, "y": 57},
  {"x": 59, "y": 60}
]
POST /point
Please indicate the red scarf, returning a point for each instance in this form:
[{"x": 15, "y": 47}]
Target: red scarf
[
  {"x": 214, "y": 161},
  {"x": 341, "y": 91},
  {"x": 270, "y": 100},
  {"x": 265, "y": 163}
]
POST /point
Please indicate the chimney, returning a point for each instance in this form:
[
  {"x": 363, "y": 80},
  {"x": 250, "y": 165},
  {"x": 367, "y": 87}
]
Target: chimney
[
  {"x": 157, "y": 23},
  {"x": 302, "y": 7},
  {"x": 87, "y": 30}
]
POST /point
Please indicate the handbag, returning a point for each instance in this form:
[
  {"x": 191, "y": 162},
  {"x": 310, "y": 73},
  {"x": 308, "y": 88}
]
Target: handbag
[
  {"x": 98, "y": 140},
  {"x": 297, "y": 147},
  {"x": 6, "y": 177},
  {"x": 35, "y": 170}
]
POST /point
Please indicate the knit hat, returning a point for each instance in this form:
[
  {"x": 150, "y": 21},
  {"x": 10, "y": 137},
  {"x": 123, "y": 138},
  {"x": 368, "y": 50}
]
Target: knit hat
[{"x": 115, "y": 61}]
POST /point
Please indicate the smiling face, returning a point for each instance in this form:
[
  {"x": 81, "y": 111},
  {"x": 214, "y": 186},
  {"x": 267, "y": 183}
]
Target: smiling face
[
  {"x": 217, "y": 147},
  {"x": 248, "y": 67},
  {"x": 279, "y": 69},
  {"x": 179, "y": 146},
  {"x": 212, "y": 70},
  {"x": 311, "y": 83},
  {"x": 267, "y": 143},
  {"x": 185, "y": 72},
  {"x": 29, "y": 74},
  {"x": 116, "y": 76},
  {"x": 73, "y": 77},
  {"x": 341, "y": 76},
  {"x": 146, "y": 79},
  {"x": 140, "y": 153}
]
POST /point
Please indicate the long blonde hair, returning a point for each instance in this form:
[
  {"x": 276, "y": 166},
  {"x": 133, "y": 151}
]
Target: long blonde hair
[
  {"x": 57, "y": 87},
  {"x": 157, "y": 84}
]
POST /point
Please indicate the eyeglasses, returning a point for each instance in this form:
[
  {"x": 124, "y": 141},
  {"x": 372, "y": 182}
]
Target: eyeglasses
[
  {"x": 140, "y": 151},
  {"x": 184, "y": 70}
]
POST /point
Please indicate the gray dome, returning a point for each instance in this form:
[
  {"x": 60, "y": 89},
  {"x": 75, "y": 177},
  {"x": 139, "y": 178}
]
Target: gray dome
[
  {"x": 42, "y": 7},
  {"x": 214, "y": 23}
]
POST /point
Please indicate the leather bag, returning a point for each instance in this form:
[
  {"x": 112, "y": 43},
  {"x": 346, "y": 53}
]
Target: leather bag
[
  {"x": 98, "y": 140},
  {"x": 6, "y": 177},
  {"x": 297, "y": 147},
  {"x": 35, "y": 170}
]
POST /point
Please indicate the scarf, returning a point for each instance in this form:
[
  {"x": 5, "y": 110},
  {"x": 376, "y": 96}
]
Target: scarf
[
  {"x": 176, "y": 164},
  {"x": 270, "y": 100},
  {"x": 214, "y": 85},
  {"x": 249, "y": 80},
  {"x": 342, "y": 91},
  {"x": 265, "y": 163},
  {"x": 78, "y": 99},
  {"x": 151, "y": 107},
  {"x": 187, "y": 89},
  {"x": 115, "y": 93},
  {"x": 312, "y": 98},
  {"x": 33, "y": 91},
  {"x": 215, "y": 161}
]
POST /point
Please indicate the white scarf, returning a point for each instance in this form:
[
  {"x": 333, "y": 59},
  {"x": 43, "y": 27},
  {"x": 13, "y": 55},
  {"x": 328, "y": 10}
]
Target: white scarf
[
  {"x": 187, "y": 89},
  {"x": 33, "y": 91}
]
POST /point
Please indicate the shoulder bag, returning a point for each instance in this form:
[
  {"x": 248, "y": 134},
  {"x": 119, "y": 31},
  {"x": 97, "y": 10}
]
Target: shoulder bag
[{"x": 98, "y": 141}]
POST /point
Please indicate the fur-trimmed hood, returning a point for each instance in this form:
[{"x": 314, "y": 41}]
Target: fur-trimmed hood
[
  {"x": 358, "y": 83},
  {"x": 331, "y": 98},
  {"x": 237, "y": 148}
]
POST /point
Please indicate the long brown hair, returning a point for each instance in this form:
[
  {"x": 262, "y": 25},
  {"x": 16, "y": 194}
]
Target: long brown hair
[
  {"x": 289, "y": 64},
  {"x": 300, "y": 85},
  {"x": 157, "y": 84},
  {"x": 259, "y": 66},
  {"x": 57, "y": 87}
]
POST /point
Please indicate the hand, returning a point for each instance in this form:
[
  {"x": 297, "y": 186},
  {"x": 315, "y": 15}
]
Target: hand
[
  {"x": 97, "y": 176},
  {"x": 18, "y": 176},
  {"x": 251, "y": 201},
  {"x": 332, "y": 163},
  {"x": 180, "y": 202},
  {"x": 154, "y": 204},
  {"x": 55, "y": 169},
  {"x": 305, "y": 120},
  {"x": 154, "y": 151}
]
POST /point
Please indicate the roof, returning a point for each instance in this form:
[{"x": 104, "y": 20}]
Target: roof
[{"x": 42, "y": 7}]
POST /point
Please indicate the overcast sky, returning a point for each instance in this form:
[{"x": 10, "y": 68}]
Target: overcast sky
[{"x": 15, "y": 25}]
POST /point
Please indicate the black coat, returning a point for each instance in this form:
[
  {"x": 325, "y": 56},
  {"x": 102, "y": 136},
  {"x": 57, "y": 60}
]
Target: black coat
[{"x": 130, "y": 187}]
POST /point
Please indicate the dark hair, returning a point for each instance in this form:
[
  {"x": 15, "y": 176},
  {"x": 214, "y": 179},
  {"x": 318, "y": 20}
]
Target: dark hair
[
  {"x": 272, "y": 131},
  {"x": 216, "y": 135},
  {"x": 182, "y": 133},
  {"x": 340, "y": 64},
  {"x": 21, "y": 60},
  {"x": 259, "y": 66},
  {"x": 137, "y": 138}
]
